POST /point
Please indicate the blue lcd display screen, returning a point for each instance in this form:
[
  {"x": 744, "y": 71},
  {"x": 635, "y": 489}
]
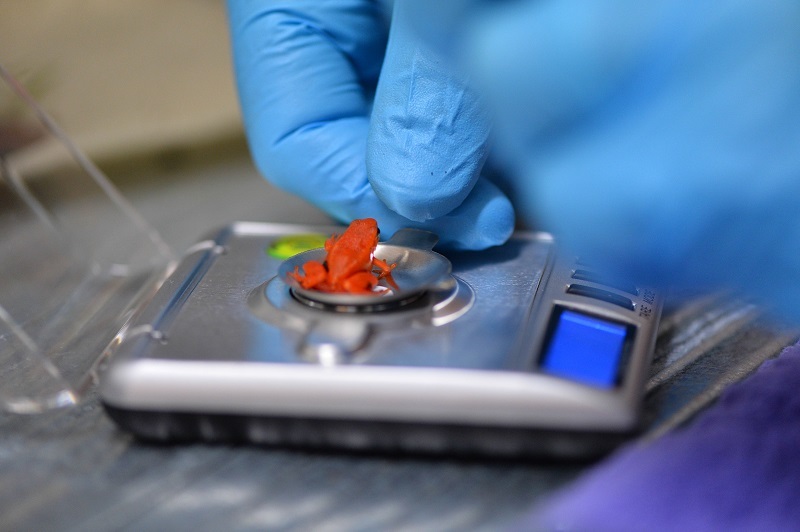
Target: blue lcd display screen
[{"x": 585, "y": 348}]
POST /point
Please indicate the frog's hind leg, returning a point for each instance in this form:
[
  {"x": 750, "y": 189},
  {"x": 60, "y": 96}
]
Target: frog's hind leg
[
  {"x": 385, "y": 271},
  {"x": 315, "y": 274}
]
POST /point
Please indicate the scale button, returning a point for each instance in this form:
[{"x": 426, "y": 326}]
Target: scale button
[
  {"x": 585, "y": 348},
  {"x": 600, "y": 294},
  {"x": 599, "y": 278}
]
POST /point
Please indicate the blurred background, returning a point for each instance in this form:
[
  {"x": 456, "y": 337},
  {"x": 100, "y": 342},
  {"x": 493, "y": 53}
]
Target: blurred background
[
  {"x": 127, "y": 78},
  {"x": 146, "y": 90}
]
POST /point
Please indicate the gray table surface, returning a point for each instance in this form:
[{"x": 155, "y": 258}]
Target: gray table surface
[{"x": 72, "y": 469}]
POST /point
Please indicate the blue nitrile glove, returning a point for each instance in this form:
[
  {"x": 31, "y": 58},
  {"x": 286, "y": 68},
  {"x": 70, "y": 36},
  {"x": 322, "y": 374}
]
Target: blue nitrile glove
[
  {"x": 306, "y": 71},
  {"x": 661, "y": 138}
]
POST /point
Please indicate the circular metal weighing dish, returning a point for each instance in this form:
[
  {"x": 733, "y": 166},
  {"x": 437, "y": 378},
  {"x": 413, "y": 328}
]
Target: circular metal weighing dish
[{"x": 417, "y": 270}]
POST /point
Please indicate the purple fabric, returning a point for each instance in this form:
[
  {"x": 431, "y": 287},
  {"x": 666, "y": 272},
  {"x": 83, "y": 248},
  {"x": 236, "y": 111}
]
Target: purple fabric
[{"x": 737, "y": 467}]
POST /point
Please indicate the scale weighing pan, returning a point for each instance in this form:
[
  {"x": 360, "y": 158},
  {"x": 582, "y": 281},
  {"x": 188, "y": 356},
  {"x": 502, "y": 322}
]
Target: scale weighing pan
[
  {"x": 418, "y": 269},
  {"x": 515, "y": 350}
]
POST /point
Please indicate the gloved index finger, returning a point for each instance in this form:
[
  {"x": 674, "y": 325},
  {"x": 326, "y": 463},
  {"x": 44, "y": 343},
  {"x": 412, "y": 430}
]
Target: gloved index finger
[{"x": 304, "y": 69}]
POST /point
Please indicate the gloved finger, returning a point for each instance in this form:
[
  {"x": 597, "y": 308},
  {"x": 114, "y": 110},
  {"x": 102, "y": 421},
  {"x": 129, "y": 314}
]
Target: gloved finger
[
  {"x": 305, "y": 70},
  {"x": 662, "y": 144},
  {"x": 429, "y": 133}
]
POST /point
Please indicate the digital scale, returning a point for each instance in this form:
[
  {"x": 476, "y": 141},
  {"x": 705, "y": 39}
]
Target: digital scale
[{"x": 514, "y": 350}]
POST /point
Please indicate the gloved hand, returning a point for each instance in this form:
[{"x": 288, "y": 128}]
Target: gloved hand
[
  {"x": 306, "y": 71},
  {"x": 661, "y": 138}
]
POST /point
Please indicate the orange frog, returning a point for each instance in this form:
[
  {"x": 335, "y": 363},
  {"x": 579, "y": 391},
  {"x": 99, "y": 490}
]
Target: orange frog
[{"x": 349, "y": 263}]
